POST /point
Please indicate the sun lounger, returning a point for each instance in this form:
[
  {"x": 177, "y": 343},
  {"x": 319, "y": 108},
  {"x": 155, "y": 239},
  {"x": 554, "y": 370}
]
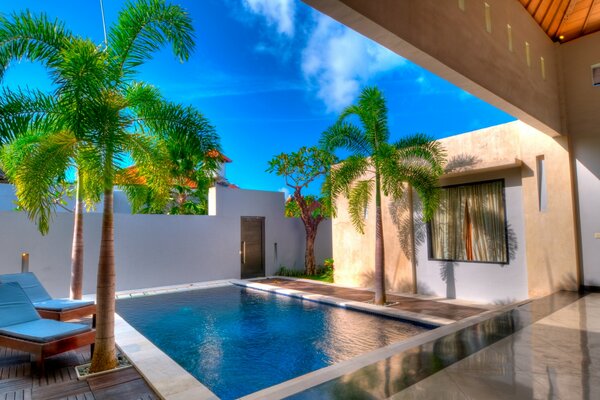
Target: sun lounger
[
  {"x": 22, "y": 328},
  {"x": 47, "y": 307}
]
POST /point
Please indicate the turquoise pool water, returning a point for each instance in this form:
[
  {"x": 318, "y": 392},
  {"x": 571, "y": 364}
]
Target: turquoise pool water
[{"x": 237, "y": 341}]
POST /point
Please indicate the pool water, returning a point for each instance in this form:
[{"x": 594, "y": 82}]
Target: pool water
[{"x": 237, "y": 341}]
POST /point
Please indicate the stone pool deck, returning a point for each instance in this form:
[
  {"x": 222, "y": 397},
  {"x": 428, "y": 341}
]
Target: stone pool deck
[{"x": 434, "y": 308}]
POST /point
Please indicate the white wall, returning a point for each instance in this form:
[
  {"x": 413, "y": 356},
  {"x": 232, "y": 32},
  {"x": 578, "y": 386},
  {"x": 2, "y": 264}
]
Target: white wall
[
  {"x": 288, "y": 233},
  {"x": 490, "y": 283},
  {"x": 158, "y": 250},
  {"x": 8, "y": 199}
]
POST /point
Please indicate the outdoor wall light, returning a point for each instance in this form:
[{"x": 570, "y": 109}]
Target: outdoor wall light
[{"x": 24, "y": 262}]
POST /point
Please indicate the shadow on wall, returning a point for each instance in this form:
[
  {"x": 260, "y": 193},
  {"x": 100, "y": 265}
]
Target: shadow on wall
[
  {"x": 401, "y": 219},
  {"x": 461, "y": 162},
  {"x": 447, "y": 275}
]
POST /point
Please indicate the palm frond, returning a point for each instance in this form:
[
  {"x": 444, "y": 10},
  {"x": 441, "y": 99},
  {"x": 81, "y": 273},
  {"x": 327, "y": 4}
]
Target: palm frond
[
  {"x": 152, "y": 161},
  {"x": 90, "y": 168},
  {"x": 143, "y": 27},
  {"x": 422, "y": 147},
  {"x": 81, "y": 79},
  {"x": 358, "y": 200},
  {"x": 372, "y": 111},
  {"x": 392, "y": 175},
  {"x": 33, "y": 37},
  {"x": 41, "y": 164},
  {"x": 344, "y": 174},
  {"x": 344, "y": 135},
  {"x": 188, "y": 134},
  {"x": 25, "y": 110}
]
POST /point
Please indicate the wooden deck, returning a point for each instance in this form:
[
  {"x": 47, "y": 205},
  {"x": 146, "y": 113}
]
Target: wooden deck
[
  {"x": 18, "y": 382},
  {"x": 428, "y": 307}
]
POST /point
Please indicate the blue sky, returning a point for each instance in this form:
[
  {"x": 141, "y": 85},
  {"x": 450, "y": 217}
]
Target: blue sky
[{"x": 271, "y": 75}]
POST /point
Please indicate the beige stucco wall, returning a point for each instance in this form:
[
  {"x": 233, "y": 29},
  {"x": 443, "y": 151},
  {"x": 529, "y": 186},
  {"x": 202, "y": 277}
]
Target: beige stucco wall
[
  {"x": 548, "y": 237},
  {"x": 455, "y": 45},
  {"x": 354, "y": 254},
  {"x": 583, "y": 112}
]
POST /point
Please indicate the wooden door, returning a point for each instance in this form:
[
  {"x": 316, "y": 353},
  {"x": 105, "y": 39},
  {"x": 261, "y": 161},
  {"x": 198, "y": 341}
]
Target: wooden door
[{"x": 252, "y": 247}]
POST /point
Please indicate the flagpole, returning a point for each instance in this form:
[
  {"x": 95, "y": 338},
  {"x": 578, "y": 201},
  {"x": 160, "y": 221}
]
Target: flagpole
[{"x": 103, "y": 23}]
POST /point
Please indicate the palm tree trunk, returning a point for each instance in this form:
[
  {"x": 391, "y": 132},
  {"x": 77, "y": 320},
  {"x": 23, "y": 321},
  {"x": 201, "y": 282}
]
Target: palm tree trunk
[
  {"x": 309, "y": 254},
  {"x": 104, "y": 357},
  {"x": 411, "y": 228},
  {"x": 77, "y": 248},
  {"x": 379, "y": 249}
]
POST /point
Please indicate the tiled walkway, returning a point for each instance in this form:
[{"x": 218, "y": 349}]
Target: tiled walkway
[
  {"x": 17, "y": 382},
  {"x": 546, "y": 349},
  {"x": 405, "y": 303}
]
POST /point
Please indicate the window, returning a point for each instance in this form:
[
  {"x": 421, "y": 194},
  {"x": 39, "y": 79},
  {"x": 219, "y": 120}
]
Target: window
[{"x": 470, "y": 224}]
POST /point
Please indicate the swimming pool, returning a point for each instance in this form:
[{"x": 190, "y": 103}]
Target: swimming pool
[{"x": 237, "y": 341}]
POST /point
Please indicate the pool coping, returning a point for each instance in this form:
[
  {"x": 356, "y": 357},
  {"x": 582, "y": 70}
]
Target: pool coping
[
  {"x": 171, "y": 382},
  {"x": 349, "y": 304},
  {"x": 167, "y": 378}
]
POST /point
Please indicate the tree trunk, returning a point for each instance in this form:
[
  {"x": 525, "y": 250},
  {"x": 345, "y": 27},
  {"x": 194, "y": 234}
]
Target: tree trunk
[
  {"x": 105, "y": 357},
  {"x": 411, "y": 227},
  {"x": 309, "y": 254},
  {"x": 379, "y": 249},
  {"x": 77, "y": 248}
]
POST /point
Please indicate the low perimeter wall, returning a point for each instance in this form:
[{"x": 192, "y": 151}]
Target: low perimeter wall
[{"x": 153, "y": 250}]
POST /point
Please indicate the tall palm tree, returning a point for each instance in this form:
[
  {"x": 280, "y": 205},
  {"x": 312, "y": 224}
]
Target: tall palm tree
[
  {"x": 378, "y": 167},
  {"x": 30, "y": 112},
  {"x": 120, "y": 117}
]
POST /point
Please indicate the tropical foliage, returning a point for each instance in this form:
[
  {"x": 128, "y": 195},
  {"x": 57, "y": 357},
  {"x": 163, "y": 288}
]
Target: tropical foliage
[
  {"x": 193, "y": 160},
  {"x": 377, "y": 168},
  {"x": 299, "y": 170},
  {"x": 97, "y": 118}
]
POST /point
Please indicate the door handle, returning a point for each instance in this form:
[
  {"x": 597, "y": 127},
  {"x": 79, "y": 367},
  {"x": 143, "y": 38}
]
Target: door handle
[{"x": 243, "y": 252}]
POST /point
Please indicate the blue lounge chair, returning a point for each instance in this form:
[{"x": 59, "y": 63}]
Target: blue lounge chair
[
  {"x": 22, "y": 328},
  {"x": 47, "y": 307}
]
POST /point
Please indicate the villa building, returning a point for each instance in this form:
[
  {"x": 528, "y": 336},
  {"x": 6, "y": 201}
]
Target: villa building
[{"x": 538, "y": 61}]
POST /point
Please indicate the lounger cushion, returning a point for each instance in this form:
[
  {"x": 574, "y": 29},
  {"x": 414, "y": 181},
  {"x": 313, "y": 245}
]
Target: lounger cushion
[
  {"x": 30, "y": 284},
  {"x": 61, "y": 304},
  {"x": 43, "y": 330},
  {"x": 15, "y": 306}
]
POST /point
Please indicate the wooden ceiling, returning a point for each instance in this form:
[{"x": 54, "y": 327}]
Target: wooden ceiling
[{"x": 565, "y": 20}]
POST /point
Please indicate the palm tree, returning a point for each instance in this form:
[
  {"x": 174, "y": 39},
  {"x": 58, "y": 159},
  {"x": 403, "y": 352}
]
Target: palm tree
[
  {"x": 33, "y": 113},
  {"x": 120, "y": 117},
  {"x": 379, "y": 167}
]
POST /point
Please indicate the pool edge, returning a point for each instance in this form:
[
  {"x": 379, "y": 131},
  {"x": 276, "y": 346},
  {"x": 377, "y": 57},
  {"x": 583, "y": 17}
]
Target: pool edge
[{"x": 167, "y": 378}]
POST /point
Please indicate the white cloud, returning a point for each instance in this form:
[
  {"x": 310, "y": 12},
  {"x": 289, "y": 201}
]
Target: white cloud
[
  {"x": 339, "y": 62},
  {"x": 279, "y": 13}
]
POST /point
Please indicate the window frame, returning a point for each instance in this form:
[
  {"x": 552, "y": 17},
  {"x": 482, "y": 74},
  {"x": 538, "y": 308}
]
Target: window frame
[{"x": 430, "y": 245}]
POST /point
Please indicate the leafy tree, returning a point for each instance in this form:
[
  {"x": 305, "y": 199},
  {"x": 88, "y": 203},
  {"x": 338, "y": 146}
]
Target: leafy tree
[
  {"x": 299, "y": 170},
  {"x": 117, "y": 117},
  {"x": 378, "y": 167}
]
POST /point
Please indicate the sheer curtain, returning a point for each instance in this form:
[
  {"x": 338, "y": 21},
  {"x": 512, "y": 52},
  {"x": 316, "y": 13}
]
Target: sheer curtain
[{"x": 470, "y": 224}]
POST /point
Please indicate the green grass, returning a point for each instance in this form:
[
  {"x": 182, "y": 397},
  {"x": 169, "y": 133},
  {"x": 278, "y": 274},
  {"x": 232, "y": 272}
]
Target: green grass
[{"x": 323, "y": 274}]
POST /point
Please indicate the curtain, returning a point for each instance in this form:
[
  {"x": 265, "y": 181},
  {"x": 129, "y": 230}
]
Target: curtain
[{"x": 469, "y": 224}]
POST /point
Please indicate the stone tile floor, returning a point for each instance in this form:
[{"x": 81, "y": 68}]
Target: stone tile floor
[{"x": 546, "y": 349}]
